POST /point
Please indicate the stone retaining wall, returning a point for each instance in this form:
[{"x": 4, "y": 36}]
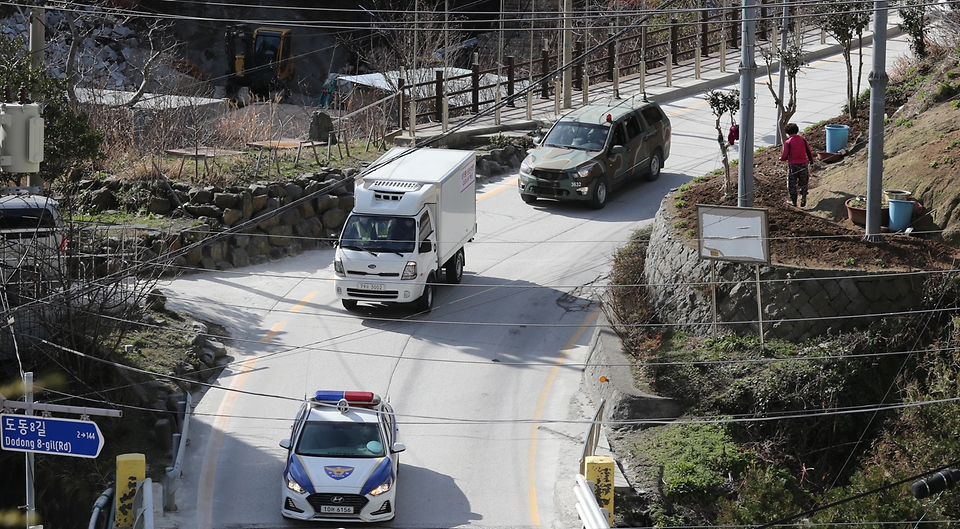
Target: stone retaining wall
[
  {"x": 798, "y": 303},
  {"x": 311, "y": 224}
]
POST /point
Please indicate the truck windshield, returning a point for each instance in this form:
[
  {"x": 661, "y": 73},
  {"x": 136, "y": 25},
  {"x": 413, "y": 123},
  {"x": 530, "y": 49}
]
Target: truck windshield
[{"x": 375, "y": 233}]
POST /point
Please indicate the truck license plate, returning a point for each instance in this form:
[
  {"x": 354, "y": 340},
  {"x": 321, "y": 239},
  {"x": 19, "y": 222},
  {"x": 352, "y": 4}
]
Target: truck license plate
[
  {"x": 370, "y": 286},
  {"x": 336, "y": 509}
]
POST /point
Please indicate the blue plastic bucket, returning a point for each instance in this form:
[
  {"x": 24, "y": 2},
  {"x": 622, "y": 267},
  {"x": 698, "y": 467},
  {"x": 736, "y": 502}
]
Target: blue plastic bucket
[
  {"x": 837, "y": 137},
  {"x": 901, "y": 213}
]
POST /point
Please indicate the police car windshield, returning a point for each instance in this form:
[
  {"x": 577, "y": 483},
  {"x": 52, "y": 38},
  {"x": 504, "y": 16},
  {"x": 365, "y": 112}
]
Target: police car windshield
[
  {"x": 340, "y": 439},
  {"x": 379, "y": 234}
]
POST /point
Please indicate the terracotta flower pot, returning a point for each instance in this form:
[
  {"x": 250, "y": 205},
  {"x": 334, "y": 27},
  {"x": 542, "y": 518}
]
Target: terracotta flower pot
[{"x": 858, "y": 215}]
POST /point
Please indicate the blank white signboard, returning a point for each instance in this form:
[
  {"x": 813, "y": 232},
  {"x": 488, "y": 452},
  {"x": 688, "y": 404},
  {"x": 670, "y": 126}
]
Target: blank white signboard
[{"x": 729, "y": 233}]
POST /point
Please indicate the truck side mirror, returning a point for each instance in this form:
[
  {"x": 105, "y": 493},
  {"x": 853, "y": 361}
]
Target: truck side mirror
[{"x": 426, "y": 247}]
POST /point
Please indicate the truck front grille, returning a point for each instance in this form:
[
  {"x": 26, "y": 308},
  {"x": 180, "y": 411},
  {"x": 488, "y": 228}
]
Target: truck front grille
[
  {"x": 372, "y": 274},
  {"x": 357, "y": 293}
]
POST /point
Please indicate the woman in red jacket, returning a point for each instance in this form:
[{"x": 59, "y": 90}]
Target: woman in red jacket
[{"x": 796, "y": 152}]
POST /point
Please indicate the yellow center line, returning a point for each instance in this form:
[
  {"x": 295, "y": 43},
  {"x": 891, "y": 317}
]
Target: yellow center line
[
  {"x": 510, "y": 184},
  {"x": 208, "y": 471},
  {"x": 532, "y": 458},
  {"x": 272, "y": 333},
  {"x": 303, "y": 302}
]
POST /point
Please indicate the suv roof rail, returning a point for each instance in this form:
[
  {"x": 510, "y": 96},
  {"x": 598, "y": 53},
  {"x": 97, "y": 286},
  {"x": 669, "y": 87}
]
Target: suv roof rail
[{"x": 20, "y": 190}]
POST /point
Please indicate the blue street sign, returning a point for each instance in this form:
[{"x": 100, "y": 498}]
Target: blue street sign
[{"x": 47, "y": 435}]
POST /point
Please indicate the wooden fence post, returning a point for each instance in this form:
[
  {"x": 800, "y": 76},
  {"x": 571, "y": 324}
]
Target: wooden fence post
[
  {"x": 578, "y": 51},
  {"x": 611, "y": 55},
  {"x": 476, "y": 83},
  {"x": 510, "y": 80},
  {"x": 674, "y": 40},
  {"x": 400, "y": 83},
  {"x": 438, "y": 96},
  {"x": 544, "y": 69},
  {"x": 704, "y": 33}
]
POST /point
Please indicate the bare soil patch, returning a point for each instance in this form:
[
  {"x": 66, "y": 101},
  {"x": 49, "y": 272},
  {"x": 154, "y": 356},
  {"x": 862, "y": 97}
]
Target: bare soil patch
[{"x": 820, "y": 236}]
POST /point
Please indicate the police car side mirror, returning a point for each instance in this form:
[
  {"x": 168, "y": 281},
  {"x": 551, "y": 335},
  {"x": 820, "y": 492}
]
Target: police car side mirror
[
  {"x": 285, "y": 444},
  {"x": 426, "y": 247},
  {"x": 398, "y": 447}
]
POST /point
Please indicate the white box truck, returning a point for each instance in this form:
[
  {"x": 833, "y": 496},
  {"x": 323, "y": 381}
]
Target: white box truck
[{"x": 413, "y": 214}]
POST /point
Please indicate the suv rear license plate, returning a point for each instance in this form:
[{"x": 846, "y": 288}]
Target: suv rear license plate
[
  {"x": 370, "y": 286},
  {"x": 336, "y": 509}
]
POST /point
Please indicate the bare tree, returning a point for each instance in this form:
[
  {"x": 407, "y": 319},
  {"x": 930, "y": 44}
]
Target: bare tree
[
  {"x": 723, "y": 103},
  {"x": 791, "y": 61},
  {"x": 845, "y": 21}
]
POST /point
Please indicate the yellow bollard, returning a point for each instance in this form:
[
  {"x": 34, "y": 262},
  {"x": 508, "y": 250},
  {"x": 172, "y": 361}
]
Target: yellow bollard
[
  {"x": 600, "y": 473},
  {"x": 131, "y": 468}
]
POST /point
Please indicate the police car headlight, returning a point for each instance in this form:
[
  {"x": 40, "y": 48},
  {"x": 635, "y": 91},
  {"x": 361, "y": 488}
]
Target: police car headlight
[
  {"x": 338, "y": 267},
  {"x": 294, "y": 486},
  {"x": 384, "y": 487},
  {"x": 525, "y": 166},
  {"x": 584, "y": 171}
]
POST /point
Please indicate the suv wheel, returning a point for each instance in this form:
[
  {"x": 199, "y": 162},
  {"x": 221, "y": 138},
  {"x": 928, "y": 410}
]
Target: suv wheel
[
  {"x": 349, "y": 304},
  {"x": 528, "y": 199},
  {"x": 656, "y": 163},
  {"x": 600, "y": 194}
]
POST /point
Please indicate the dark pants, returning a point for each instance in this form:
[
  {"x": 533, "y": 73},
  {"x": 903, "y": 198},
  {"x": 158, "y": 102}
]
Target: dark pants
[{"x": 798, "y": 177}]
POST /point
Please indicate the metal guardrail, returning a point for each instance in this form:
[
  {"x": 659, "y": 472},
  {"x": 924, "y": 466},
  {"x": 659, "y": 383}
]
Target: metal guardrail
[
  {"x": 143, "y": 505},
  {"x": 592, "y": 516},
  {"x": 593, "y": 437},
  {"x": 173, "y": 474},
  {"x": 102, "y": 501}
]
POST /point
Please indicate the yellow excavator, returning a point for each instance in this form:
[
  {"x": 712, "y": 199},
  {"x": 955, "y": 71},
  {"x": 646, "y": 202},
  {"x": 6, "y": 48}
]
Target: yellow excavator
[{"x": 261, "y": 59}]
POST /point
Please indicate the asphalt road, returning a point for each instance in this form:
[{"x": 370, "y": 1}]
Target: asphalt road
[{"x": 486, "y": 386}]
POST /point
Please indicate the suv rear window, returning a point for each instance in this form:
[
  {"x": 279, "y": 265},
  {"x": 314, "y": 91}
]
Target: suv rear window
[{"x": 652, "y": 114}]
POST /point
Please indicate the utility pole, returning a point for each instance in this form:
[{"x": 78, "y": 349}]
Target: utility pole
[
  {"x": 878, "y": 91},
  {"x": 37, "y": 44},
  {"x": 748, "y": 74},
  {"x": 31, "y": 500},
  {"x": 567, "y": 53}
]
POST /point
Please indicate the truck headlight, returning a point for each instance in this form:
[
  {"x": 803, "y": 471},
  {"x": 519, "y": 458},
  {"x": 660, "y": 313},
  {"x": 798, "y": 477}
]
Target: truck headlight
[
  {"x": 526, "y": 167},
  {"x": 338, "y": 267},
  {"x": 584, "y": 171},
  {"x": 409, "y": 271}
]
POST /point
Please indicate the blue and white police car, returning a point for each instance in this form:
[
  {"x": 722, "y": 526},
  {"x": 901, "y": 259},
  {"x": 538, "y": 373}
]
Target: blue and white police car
[{"x": 342, "y": 459}]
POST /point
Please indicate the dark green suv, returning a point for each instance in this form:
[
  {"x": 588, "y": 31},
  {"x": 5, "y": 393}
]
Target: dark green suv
[{"x": 595, "y": 149}]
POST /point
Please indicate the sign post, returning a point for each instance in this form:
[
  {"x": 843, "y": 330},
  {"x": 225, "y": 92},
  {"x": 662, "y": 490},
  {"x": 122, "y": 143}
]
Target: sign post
[{"x": 47, "y": 435}]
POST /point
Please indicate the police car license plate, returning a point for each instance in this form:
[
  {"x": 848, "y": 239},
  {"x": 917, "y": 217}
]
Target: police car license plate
[
  {"x": 370, "y": 286},
  {"x": 336, "y": 509}
]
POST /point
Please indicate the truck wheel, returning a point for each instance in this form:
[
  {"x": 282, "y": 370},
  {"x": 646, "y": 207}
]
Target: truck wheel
[
  {"x": 349, "y": 304},
  {"x": 656, "y": 163},
  {"x": 528, "y": 199},
  {"x": 454, "y": 268},
  {"x": 600, "y": 194},
  {"x": 425, "y": 303}
]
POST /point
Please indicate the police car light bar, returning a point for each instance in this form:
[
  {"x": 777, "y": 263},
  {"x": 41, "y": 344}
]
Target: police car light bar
[{"x": 357, "y": 398}]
